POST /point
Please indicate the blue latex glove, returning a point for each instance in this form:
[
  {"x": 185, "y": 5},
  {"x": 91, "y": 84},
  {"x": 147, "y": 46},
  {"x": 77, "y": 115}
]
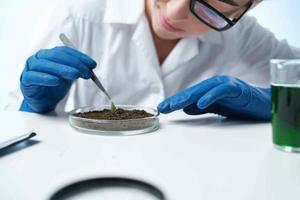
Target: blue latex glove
[
  {"x": 223, "y": 95},
  {"x": 48, "y": 75}
]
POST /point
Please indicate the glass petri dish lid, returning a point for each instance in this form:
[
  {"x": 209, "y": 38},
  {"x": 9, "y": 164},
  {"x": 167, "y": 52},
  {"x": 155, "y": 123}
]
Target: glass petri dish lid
[
  {"x": 114, "y": 127},
  {"x": 110, "y": 188}
]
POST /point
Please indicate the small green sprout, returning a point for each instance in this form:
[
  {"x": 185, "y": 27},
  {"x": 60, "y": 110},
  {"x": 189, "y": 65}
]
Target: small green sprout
[{"x": 113, "y": 107}]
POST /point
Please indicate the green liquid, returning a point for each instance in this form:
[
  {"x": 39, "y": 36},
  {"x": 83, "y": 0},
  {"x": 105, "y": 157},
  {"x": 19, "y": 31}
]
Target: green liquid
[{"x": 286, "y": 115}]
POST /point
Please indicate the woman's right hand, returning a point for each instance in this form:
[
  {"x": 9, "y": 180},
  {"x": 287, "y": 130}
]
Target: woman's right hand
[{"x": 48, "y": 76}]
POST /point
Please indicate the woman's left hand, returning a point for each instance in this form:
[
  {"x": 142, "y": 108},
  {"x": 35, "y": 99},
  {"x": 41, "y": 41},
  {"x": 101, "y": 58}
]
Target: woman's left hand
[{"x": 223, "y": 95}]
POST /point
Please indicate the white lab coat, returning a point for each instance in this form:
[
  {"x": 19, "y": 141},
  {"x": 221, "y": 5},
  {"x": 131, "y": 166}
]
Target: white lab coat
[{"x": 116, "y": 34}]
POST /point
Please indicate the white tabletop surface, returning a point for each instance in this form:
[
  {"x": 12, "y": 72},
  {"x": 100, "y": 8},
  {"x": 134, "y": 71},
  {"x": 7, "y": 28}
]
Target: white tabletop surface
[{"x": 188, "y": 158}]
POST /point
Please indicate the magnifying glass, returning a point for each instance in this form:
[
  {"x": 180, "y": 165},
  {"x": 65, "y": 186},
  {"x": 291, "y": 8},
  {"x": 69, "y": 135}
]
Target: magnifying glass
[{"x": 109, "y": 189}]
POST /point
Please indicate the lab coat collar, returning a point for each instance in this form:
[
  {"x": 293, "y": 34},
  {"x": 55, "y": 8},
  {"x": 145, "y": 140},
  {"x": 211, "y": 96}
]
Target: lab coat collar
[
  {"x": 213, "y": 37},
  {"x": 124, "y": 12},
  {"x": 184, "y": 51}
]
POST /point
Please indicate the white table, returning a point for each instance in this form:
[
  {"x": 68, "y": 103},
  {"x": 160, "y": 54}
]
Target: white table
[{"x": 188, "y": 158}]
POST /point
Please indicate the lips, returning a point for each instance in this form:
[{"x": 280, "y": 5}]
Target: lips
[{"x": 167, "y": 25}]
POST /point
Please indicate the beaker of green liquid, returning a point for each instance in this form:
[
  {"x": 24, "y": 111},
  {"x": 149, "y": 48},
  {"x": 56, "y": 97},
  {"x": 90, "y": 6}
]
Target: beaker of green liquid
[{"x": 285, "y": 86}]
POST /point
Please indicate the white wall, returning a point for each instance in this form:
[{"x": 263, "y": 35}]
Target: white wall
[
  {"x": 17, "y": 17},
  {"x": 282, "y": 17}
]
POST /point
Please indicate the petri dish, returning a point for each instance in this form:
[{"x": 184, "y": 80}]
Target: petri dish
[
  {"x": 115, "y": 127},
  {"x": 110, "y": 188}
]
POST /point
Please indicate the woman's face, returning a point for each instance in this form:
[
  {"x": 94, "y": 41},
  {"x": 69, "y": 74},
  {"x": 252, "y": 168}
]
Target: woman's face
[{"x": 172, "y": 19}]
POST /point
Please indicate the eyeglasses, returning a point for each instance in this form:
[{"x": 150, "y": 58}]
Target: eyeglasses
[{"x": 214, "y": 18}]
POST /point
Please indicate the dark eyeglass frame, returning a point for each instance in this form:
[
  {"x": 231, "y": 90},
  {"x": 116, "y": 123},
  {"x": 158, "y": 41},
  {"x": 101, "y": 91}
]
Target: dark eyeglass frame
[{"x": 230, "y": 22}]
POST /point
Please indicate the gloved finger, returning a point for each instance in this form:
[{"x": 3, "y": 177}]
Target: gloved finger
[
  {"x": 164, "y": 107},
  {"x": 83, "y": 57},
  {"x": 30, "y": 78},
  {"x": 192, "y": 94},
  {"x": 49, "y": 67},
  {"x": 65, "y": 59},
  {"x": 187, "y": 96},
  {"x": 225, "y": 90},
  {"x": 244, "y": 97},
  {"x": 193, "y": 109}
]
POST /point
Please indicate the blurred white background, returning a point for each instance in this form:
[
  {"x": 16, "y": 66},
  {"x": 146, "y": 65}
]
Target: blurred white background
[{"x": 18, "y": 17}]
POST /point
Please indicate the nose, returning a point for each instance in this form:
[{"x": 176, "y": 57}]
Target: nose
[{"x": 178, "y": 9}]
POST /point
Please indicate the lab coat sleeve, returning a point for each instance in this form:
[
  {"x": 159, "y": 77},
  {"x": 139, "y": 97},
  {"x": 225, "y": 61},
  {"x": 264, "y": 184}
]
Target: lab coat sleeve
[
  {"x": 45, "y": 35},
  {"x": 256, "y": 46}
]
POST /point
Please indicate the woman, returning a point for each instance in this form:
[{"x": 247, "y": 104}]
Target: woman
[{"x": 189, "y": 51}]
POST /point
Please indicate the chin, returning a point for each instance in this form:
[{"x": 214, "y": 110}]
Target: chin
[
  {"x": 163, "y": 34},
  {"x": 168, "y": 36}
]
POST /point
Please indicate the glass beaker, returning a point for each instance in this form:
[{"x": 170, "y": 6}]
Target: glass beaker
[{"x": 285, "y": 84}]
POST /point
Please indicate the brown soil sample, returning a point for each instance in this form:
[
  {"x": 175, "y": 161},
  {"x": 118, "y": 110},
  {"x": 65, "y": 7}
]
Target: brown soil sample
[{"x": 120, "y": 114}]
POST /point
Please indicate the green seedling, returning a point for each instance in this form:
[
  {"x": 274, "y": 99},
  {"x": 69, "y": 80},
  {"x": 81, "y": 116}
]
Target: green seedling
[{"x": 113, "y": 107}]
